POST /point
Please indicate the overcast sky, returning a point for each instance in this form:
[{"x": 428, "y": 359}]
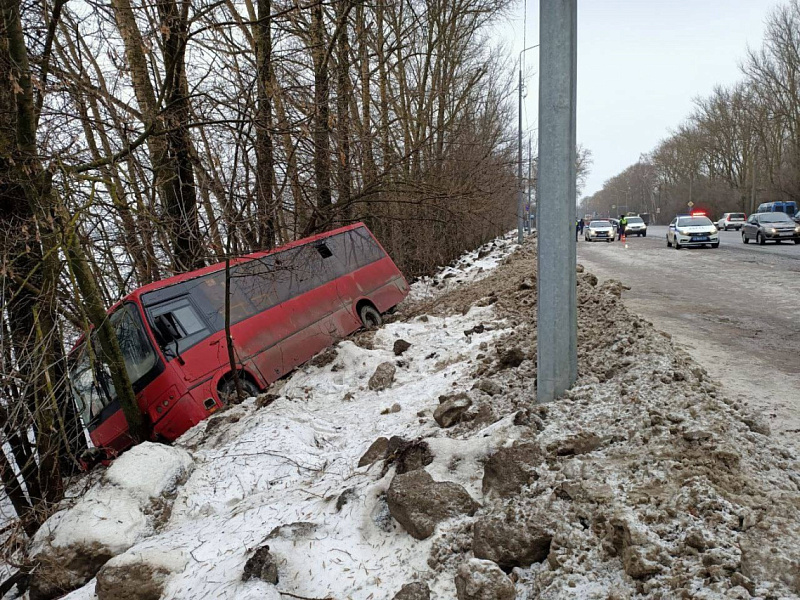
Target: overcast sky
[{"x": 640, "y": 64}]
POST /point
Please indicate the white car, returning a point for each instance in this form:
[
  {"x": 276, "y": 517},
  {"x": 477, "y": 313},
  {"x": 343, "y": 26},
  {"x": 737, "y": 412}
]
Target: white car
[
  {"x": 731, "y": 221},
  {"x": 692, "y": 230},
  {"x": 599, "y": 230},
  {"x": 636, "y": 226}
]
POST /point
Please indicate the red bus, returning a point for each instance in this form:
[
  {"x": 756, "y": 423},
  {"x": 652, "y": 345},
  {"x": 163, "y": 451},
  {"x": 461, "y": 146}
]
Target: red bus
[{"x": 285, "y": 305}]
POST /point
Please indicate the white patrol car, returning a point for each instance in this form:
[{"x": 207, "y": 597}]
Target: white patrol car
[
  {"x": 599, "y": 230},
  {"x": 692, "y": 230},
  {"x": 636, "y": 226}
]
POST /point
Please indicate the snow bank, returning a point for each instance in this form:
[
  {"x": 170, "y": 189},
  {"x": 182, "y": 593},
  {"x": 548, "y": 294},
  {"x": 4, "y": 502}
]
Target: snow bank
[
  {"x": 124, "y": 508},
  {"x": 149, "y": 470},
  {"x": 296, "y": 463},
  {"x": 116, "y": 513},
  {"x": 472, "y": 266},
  {"x": 108, "y": 517}
]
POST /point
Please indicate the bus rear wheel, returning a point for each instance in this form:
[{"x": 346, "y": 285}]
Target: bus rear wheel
[{"x": 370, "y": 317}]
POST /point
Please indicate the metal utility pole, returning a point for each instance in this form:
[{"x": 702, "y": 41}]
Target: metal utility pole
[
  {"x": 530, "y": 185},
  {"x": 557, "y": 326},
  {"x": 519, "y": 155},
  {"x": 520, "y": 190}
]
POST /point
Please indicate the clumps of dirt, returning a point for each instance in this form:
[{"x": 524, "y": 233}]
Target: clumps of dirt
[
  {"x": 654, "y": 483},
  {"x": 261, "y": 565},
  {"x": 324, "y": 358},
  {"x": 406, "y": 456}
]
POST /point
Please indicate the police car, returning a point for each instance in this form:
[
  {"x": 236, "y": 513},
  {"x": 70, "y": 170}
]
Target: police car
[
  {"x": 695, "y": 229},
  {"x": 600, "y": 229}
]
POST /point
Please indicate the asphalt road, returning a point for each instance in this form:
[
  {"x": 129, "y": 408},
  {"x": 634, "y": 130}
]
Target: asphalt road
[{"x": 734, "y": 309}]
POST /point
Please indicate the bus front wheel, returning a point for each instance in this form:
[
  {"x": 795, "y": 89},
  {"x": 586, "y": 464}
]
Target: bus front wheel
[
  {"x": 370, "y": 317},
  {"x": 227, "y": 389}
]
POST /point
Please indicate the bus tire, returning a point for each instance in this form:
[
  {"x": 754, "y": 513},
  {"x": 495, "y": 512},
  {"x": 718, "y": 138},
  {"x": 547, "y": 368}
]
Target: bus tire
[
  {"x": 370, "y": 317},
  {"x": 227, "y": 388}
]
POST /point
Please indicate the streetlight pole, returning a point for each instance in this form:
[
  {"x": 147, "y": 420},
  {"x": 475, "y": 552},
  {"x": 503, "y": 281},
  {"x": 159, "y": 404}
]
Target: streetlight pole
[
  {"x": 520, "y": 190},
  {"x": 530, "y": 185},
  {"x": 557, "y": 323}
]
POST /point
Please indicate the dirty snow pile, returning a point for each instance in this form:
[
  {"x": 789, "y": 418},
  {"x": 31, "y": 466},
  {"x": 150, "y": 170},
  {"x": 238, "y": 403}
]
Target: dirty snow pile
[
  {"x": 470, "y": 267},
  {"x": 412, "y": 462},
  {"x": 125, "y": 508}
]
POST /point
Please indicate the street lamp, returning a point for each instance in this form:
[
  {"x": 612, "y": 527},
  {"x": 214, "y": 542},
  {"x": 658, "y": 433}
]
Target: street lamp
[{"x": 520, "y": 192}]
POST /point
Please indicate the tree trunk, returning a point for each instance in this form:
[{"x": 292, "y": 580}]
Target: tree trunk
[
  {"x": 343, "y": 92},
  {"x": 169, "y": 152},
  {"x": 25, "y": 203},
  {"x": 322, "y": 159},
  {"x": 182, "y": 209},
  {"x": 370, "y": 173},
  {"x": 265, "y": 203}
]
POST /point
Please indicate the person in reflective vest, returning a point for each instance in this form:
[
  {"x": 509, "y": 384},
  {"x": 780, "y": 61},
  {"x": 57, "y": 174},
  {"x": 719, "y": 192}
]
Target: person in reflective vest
[{"x": 623, "y": 223}]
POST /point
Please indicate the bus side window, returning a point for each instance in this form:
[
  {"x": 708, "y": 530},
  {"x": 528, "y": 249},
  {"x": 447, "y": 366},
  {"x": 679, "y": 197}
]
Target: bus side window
[
  {"x": 353, "y": 249},
  {"x": 365, "y": 250},
  {"x": 178, "y": 325},
  {"x": 306, "y": 269},
  {"x": 263, "y": 282},
  {"x": 209, "y": 295}
]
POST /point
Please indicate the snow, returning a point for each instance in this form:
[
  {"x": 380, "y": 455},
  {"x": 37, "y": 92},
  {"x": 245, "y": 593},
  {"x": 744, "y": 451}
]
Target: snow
[
  {"x": 117, "y": 513},
  {"x": 84, "y": 593},
  {"x": 149, "y": 470},
  {"x": 461, "y": 461},
  {"x": 466, "y": 269},
  {"x": 109, "y": 517},
  {"x": 291, "y": 462}
]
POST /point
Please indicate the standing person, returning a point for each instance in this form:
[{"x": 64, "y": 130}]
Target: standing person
[
  {"x": 577, "y": 229},
  {"x": 623, "y": 223},
  {"x": 581, "y": 225}
]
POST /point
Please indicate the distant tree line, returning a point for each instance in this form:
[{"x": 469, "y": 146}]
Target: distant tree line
[
  {"x": 142, "y": 138},
  {"x": 739, "y": 147}
]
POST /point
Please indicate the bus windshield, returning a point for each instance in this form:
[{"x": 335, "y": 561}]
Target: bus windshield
[{"x": 90, "y": 376}]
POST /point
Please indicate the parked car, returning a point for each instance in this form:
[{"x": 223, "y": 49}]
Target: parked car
[
  {"x": 692, "y": 230},
  {"x": 599, "y": 230},
  {"x": 770, "y": 227},
  {"x": 636, "y": 226},
  {"x": 731, "y": 221}
]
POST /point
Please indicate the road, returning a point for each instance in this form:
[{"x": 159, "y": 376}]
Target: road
[{"x": 735, "y": 310}]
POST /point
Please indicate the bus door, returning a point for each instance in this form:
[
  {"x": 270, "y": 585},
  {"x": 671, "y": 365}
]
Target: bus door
[{"x": 186, "y": 337}]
